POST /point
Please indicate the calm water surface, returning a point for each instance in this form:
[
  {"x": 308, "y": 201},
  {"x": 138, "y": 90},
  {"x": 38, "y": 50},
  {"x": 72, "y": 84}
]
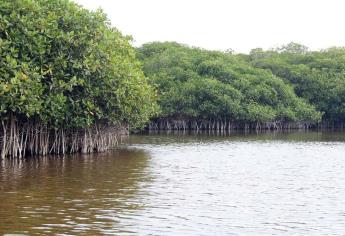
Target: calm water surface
[{"x": 180, "y": 184}]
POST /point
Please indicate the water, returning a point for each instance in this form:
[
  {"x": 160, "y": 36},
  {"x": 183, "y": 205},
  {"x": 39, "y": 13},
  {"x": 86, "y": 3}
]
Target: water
[{"x": 175, "y": 184}]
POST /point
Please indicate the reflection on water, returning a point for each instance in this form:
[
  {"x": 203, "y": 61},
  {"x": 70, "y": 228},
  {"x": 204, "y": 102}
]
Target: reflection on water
[
  {"x": 69, "y": 195},
  {"x": 213, "y": 136},
  {"x": 183, "y": 184}
]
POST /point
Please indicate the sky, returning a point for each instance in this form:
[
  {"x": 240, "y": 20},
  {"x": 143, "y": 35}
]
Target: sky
[{"x": 240, "y": 25}]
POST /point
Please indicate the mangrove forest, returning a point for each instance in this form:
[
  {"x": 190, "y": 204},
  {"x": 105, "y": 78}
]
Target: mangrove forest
[
  {"x": 211, "y": 90},
  {"x": 71, "y": 82}
]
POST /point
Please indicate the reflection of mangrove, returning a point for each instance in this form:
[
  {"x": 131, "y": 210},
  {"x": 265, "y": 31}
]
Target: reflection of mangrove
[
  {"x": 118, "y": 165},
  {"x": 180, "y": 136},
  {"x": 80, "y": 187}
]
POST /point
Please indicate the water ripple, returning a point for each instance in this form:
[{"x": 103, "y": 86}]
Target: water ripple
[{"x": 182, "y": 185}]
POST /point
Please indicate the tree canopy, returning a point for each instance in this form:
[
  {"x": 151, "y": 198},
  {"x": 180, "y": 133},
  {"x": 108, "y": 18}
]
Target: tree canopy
[
  {"x": 67, "y": 66},
  {"x": 69, "y": 81},
  {"x": 198, "y": 84},
  {"x": 317, "y": 76}
]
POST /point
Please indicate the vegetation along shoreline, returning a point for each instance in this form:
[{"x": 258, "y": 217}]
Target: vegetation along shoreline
[{"x": 70, "y": 82}]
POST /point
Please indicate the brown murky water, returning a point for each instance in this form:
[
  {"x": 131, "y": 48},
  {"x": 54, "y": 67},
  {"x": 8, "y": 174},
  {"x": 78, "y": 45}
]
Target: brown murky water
[{"x": 180, "y": 184}]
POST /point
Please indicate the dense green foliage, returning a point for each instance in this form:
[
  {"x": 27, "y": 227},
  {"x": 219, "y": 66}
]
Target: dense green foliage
[
  {"x": 67, "y": 67},
  {"x": 69, "y": 82},
  {"x": 198, "y": 84},
  {"x": 317, "y": 76}
]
